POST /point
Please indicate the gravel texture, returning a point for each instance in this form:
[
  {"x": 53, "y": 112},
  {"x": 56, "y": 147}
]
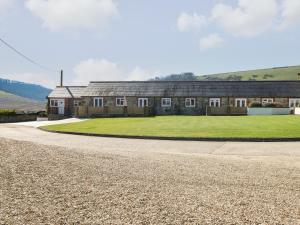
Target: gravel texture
[{"x": 56, "y": 185}]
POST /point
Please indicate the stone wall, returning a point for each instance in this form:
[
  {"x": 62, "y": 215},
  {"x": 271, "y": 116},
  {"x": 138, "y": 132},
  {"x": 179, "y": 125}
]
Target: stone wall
[
  {"x": 226, "y": 110},
  {"x": 17, "y": 118},
  {"x": 56, "y": 117},
  {"x": 177, "y": 107}
]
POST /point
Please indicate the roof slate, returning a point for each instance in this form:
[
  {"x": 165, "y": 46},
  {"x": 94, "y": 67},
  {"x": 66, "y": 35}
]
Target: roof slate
[
  {"x": 195, "y": 88},
  {"x": 183, "y": 89},
  {"x": 67, "y": 92}
]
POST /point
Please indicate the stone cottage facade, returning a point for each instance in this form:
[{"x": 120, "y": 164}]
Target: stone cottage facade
[{"x": 108, "y": 99}]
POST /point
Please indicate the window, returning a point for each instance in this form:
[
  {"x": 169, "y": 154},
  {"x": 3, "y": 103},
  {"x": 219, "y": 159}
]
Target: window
[
  {"x": 142, "y": 102},
  {"x": 214, "y": 102},
  {"x": 53, "y": 103},
  {"x": 76, "y": 103},
  {"x": 190, "y": 102},
  {"x": 98, "y": 102},
  {"x": 267, "y": 100},
  {"x": 120, "y": 102},
  {"x": 294, "y": 102},
  {"x": 166, "y": 102},
  {"x": 241, "y": 102}
]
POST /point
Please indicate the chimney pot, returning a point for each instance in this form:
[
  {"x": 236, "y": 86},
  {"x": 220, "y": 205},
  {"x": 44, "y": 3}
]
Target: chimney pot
[{"x": 61, "y": 78}]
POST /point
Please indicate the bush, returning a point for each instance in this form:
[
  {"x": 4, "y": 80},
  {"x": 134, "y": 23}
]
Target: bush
[
  {"x": 6, "y": 112},
  {"x": 267, "y": 105},
  {"x": 256, "y": 105},
  {"x": 273, "y": 105},
  {"x": 270, "y": 105},
  {"x": 42, "y": 114}
]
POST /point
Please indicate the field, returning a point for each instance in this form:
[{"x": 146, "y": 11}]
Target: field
[
  {"x": 14, "y": 102},
  {"x": 281, "y": 73},
  {"x": 190, "y": 127}
]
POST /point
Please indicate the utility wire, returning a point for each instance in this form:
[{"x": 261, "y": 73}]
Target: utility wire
[{"x": 27, "y": 58}]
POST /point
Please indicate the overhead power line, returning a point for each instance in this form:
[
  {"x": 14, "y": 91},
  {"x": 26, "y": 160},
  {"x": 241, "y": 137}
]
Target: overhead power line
[{"x": 27, "y": 58}]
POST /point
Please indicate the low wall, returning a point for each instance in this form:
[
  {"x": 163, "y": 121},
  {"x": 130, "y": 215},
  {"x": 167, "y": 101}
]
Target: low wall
[
  {"x": 17, "y": 118},
  {"x": 220, "y": 111},
  {"x": 56, "y": 117},
  {"x": 88, "y": 111},
  {"x": 42, "y": 119},
  {"x": 268, "y": 111}
]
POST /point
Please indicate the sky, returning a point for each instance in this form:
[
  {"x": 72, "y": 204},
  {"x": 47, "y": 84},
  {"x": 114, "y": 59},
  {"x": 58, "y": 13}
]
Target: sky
[{"x": 95, "y": 40}]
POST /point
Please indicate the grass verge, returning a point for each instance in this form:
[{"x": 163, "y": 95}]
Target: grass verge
[{"x": 189, "y": 127}]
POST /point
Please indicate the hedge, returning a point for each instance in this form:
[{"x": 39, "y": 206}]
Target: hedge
[{"x": 7, "y": 112}]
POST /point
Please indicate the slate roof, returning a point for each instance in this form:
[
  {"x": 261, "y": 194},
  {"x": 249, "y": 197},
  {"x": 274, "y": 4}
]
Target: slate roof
[
  {"x": 195, "y": 88},
  {"x": 67, "y": 92},
  {"x": 182, "y": 89}
]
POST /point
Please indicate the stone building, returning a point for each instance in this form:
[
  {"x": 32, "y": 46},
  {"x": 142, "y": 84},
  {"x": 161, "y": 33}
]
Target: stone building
[{"x": 107, "y": 99}]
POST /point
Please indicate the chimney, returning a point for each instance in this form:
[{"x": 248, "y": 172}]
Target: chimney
[{"x": 61, "y": 78}]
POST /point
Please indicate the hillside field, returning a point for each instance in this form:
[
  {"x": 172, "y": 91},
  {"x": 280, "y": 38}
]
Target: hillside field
[
  {"x": 10, "y": 101},
  {"x": 25, "y": 90},
  {"x": 279, "y": 73}
]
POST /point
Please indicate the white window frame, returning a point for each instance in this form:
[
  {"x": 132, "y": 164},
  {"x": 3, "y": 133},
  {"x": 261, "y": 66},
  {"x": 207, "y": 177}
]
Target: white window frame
[
  {"x": 293, "y": 102},
  {"x": 163, "y": 103},
  {"x": 215, "y": 102},
  {"x": 99, "y": 100},
  {"x": 267, "y": 100},
  {"x": 54, "y": 105},
  {"x": 143, "y": 101},
  {"x": 189, "y": 101},
  {"x": 240, "y": 100},
  {"x": 121, "y": 103}
]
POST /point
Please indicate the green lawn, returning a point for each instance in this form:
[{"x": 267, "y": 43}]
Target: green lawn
[{"x": 190, "y": 126}]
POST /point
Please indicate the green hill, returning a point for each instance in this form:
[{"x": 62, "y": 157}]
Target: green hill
[
  {"x": 26, "y": 90},
  {"x": 10, "y": 101},
  {"x": 278, "y": 73}
]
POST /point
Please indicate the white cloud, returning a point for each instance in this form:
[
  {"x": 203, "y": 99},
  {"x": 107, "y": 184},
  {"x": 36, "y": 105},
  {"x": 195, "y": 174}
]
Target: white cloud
[
  {"x": 189, "y": 22},
  {"x": 140, "y": 74},
  {"x": 33, "y": 78},
  {"x": 248, "y": 19},
  {"x": 104, "y": 70},
  {"x": 290, "y": 13},
  {"x": 5, "y": 5},
  {"x": 96, "y": 70},
  {"x": 211, "y": 41},
  {"x": 73, "y": 14}
]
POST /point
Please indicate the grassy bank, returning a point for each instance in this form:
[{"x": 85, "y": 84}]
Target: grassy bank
[
  {"x": 190, "y": 127},
  {"x": 281, "y": 73}
]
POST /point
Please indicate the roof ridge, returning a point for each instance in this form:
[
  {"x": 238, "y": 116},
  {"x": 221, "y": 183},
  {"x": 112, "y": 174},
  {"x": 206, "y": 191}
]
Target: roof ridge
[
  {"x": 198, "y": 81},
  {"x": 70, "y": 86},
  {"x": 70, "y": 92}
]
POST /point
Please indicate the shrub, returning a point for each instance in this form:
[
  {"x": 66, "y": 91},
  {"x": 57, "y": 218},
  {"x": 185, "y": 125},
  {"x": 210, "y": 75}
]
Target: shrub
[
  {"x": 42, "y": 114},
  {"x": 273, "y": 105},
  {"x": 278, "y": 105},
  {"x": 6, "y": 112},
  {"x": 267, "y": 105},
  {"x": 256, "y": 105},
  {"x": 270, "y": 105}
]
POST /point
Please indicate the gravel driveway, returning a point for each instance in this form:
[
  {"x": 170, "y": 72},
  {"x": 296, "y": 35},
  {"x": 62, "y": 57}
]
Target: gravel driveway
[{"x": 88, "y": 180}]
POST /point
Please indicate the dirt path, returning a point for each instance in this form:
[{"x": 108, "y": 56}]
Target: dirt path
[
  {"x": 123, "y": 146},
  {"x": 49, "y": 178}
]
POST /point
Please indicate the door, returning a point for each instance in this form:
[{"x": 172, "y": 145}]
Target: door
[
  {"x": 214, "y": 102},
  {"x": 294, "y": 102},
  {"x": 143, "y": 102},
  {"x": 61, "y": 107},
  {"x": 241, "y": 102}
]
